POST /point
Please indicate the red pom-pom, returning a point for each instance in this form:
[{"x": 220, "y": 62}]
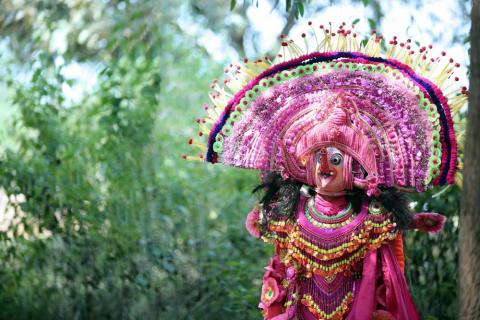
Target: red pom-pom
[
  {"x": 428, "y": 222},
  {"x": 252, "y": 223}
]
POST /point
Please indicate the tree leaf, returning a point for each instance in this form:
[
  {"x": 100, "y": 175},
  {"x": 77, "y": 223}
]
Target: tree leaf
[
  {"x": 355, "y": 21},
  {"x": 300, "y": 7},
  {"x": 233, "y": 3},
  {"x": 372, "y": 23}
]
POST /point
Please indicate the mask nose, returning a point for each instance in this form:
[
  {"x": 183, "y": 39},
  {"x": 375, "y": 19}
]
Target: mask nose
[
  {"x": 323, "y": 161},
  {"x": 325, "y": 173}
]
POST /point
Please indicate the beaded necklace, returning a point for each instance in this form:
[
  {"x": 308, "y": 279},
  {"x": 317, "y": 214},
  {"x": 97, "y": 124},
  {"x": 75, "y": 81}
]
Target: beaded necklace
[{"x": 321, "y": 220}]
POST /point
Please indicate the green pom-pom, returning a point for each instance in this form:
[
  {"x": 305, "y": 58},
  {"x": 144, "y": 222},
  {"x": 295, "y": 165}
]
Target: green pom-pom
[
  {"x": 433, "y": 117},
  {"x": 219, "y": 138},
  {"x": 355, "y": 66},
  {"x": 380, "y": 68},
  {"x": 235, "y": 116},
  {"x": 250, "y": 96},
  {"x": 436, "y": 152},
  {"x": 227, "y": 130},
  {"x": 218, "y": 147},
  {"x": 308, "y": 69},
  {"x": 415, "y": 89},
  {"x": 231, "y": 122},
  {"x": 434, "y": 162},
  {"x": 263, "y": 83},
  {"x": 431, "y": 109}
]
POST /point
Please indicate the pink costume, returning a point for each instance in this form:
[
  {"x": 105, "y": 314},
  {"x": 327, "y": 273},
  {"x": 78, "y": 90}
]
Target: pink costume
[{"x": 355, "y": 128}]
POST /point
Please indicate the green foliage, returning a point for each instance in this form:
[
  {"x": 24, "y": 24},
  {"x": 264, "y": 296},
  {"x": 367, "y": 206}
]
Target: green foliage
[
  {"x": 115, "y": 224},
  {"x": 296, "y": 7},
  {"x": 431, "y": 260},
  {"x": 80, "y": 29}
]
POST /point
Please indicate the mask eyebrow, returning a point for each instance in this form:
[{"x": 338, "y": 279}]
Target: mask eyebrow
[{"x": 333, "y": 150}]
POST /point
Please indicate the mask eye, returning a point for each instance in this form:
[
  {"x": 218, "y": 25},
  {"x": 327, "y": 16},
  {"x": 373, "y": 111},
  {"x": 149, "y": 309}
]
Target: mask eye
[{"x": 336, "y": 159}]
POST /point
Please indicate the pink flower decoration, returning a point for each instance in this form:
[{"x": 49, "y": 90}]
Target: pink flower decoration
[
  {"x": 252, "y": 223},
  {"x": 270, "y": 292},
  {"x": 275, "y": 269},
  {"x": 429, "y": 222},
  {"x": 272, "y": 300}
]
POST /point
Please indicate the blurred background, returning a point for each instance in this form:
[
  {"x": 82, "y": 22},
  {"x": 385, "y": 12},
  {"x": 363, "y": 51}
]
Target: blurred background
[{"x": 100, "y": 218}]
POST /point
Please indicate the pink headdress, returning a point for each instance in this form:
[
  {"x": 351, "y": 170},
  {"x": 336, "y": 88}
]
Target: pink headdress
[
  {"x": 331, "y": 128},
  {"x": 387, "y": 113}
]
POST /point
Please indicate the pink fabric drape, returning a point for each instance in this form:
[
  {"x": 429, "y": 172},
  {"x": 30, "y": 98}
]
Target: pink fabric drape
[
  {"x": 364, "y": 303},
  {"x": 397, "y": 298}
]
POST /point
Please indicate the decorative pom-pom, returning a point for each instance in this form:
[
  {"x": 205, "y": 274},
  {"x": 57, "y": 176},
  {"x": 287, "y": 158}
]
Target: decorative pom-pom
[
  {"x": 428, "y": 222},
  {"x": 252, "y": 223}
]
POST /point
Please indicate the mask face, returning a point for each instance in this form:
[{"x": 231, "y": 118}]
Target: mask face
[{"x": 329, "y": 170}]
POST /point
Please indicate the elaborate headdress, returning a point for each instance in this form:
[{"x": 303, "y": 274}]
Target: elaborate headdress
[{"x": 391, "y": 111}]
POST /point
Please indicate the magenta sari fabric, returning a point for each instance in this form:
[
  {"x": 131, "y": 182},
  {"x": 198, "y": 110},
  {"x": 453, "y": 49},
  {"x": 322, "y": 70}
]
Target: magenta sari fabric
[{"x": 393, "y": 299}]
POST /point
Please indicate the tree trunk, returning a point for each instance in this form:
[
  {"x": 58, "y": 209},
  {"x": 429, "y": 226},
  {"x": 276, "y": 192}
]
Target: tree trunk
[{"x": 469, "y": 238}]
